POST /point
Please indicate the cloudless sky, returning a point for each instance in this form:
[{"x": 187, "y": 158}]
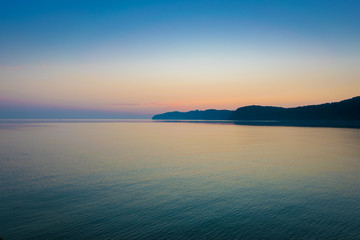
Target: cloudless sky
[{"x": 138, "y": 58}]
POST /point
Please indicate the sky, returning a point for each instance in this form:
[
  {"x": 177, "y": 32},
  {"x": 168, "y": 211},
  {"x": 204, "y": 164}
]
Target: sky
[{"x": 137, "y": 58}]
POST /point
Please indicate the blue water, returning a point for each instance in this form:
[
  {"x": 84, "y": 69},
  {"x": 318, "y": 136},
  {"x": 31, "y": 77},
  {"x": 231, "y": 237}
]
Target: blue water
[{"x": 158, "y": 180}]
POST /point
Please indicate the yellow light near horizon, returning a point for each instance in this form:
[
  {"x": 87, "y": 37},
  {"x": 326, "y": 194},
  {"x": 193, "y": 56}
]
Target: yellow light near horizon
[{"x": 185, "y": 83}]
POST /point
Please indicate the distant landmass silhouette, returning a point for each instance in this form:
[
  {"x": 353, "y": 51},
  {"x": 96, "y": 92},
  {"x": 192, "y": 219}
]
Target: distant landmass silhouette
[
  {"x": 346, "y": 110},
  {"x": 210, "y": 114}
]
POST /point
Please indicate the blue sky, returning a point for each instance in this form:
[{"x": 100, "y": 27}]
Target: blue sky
[{"x": 169, "y": 46}]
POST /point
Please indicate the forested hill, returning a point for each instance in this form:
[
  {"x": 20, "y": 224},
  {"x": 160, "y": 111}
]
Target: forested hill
[{"x": 346, "y": 110}]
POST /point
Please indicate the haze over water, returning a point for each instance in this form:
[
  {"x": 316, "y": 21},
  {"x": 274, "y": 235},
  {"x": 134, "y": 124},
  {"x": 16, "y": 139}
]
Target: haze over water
[{"x": 179, "y": 180}]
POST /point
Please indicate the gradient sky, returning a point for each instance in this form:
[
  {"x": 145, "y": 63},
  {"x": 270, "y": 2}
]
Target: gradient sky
[{"x": 138, "y": 58}]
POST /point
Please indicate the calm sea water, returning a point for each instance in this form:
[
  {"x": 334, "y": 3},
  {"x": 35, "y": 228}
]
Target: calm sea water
[{"x": 158, "y": 180}]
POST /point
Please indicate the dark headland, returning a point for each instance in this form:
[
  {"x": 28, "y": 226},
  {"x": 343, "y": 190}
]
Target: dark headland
[{"x": 345, "y": 113}]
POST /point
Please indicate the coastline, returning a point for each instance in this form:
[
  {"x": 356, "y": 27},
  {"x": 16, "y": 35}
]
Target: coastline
[{"x": 280, "y": 123}]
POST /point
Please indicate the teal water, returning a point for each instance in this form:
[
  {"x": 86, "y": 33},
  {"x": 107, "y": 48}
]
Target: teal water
[{"x": 177, "y": 180}]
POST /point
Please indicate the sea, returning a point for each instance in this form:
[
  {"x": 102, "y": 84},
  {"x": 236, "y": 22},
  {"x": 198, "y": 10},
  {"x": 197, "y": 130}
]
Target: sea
[{"x": 144, "y": 179}]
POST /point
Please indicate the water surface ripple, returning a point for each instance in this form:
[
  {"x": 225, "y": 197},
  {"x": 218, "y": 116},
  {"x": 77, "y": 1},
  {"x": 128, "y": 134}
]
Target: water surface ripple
[{"x": 177, "y": 180}]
